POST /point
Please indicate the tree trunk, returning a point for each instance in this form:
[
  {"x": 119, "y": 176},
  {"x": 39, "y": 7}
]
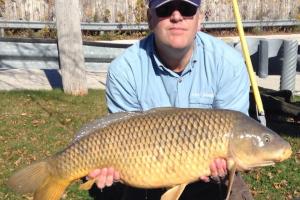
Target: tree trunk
[{"x": 70, "y": 47}]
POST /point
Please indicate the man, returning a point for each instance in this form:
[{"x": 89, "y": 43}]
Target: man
[{"x": 180, "y": 67}]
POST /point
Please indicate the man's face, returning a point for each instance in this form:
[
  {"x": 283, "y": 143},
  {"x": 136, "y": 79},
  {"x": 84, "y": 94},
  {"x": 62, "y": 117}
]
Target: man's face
[{"x": 177, "y": 29}]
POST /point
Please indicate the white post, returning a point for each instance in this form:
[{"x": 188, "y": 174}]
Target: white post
[{"x": 70, "y": 47}]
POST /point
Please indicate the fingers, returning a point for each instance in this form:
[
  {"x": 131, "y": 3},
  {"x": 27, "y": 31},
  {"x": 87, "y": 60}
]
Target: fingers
[
  {"x": 94, "y": 174},
  {"x": 223, "y": 167},
  {"x": 204, "y": 179},
  {"x": 110, "y": 177},
  {"x": 213, "y": 168},
  {"x": 218, "y": 167},
  {"x": 101, "y": 178},
  {"x": 116, "y": 176},
  {"x": 104, "y": 177}
]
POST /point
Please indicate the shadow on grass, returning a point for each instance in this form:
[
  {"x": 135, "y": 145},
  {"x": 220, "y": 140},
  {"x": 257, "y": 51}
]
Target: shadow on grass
[{"x": 285, "y": 128}]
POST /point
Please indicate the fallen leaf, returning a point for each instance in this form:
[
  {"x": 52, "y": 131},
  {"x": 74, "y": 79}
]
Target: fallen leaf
[
  {"x": 32, "y": 157},
  {"x": 270, "y": 175},
  {"x": 289, "y": 197},
  {"x": 258, "y": 175},
  {"x": 297, "y": 193},
  {"x": 27, "y": 196},
  {"x": 256, "y": 192},
  {"x": 17, "y": 162},
  {"x": 297, "y": 157},
  {"x": 280, "y": 185}
]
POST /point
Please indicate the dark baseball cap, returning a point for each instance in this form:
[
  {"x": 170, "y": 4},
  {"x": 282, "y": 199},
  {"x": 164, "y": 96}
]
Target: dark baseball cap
[{"x": 158, "y": 3}]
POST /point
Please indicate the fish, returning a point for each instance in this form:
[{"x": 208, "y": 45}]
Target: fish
[{"x": 158, "y": 148}]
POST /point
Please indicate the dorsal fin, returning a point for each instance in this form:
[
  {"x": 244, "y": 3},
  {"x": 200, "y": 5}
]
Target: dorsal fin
[
  {"x": 103, "y": 122},
  {"x": 159, "y": 109},
  {"x": 111, "y": 118}
]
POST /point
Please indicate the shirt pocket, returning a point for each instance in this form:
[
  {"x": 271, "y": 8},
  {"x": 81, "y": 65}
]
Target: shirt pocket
[{"x": 201, "y": 102}]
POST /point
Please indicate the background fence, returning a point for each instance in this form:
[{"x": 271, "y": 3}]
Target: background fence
[
  {"x": 93, "y": 26},
  {"x": 35, "y": 56},
  {"x": 134, "y": 11},
  {"x": 43, "y": 54}
]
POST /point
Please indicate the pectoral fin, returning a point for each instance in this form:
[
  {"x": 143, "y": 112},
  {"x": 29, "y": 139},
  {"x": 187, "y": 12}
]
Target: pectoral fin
[
  {"x": 87, "y": 185},
  {"x": 173, "y": 193},
  {"x": 230, "y": 180}
]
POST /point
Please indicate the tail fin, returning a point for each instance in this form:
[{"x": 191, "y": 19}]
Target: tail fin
[
  {"x": 36, "y": 178},
  {"x": 52, "y": 189}
]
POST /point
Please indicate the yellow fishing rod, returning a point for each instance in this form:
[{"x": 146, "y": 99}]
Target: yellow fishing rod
[{"x": 257, "y": 97}]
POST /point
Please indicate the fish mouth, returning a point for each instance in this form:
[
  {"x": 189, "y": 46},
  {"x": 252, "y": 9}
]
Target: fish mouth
[
  {"x": 283, "y": 155},
  {"x": 286, "y": 154}
]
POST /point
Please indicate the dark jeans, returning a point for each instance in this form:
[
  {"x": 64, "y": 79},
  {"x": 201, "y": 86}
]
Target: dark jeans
[{"x": 194, "y": 191}]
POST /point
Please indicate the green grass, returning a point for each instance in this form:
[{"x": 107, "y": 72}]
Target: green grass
[
  {"x": 296, "y": 98},
  {"x": 283, "y": 180},
  {"x": 35, "y": 124}
]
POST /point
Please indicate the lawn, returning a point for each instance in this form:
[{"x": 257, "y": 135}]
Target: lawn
[{"x": 36, "y": 124}]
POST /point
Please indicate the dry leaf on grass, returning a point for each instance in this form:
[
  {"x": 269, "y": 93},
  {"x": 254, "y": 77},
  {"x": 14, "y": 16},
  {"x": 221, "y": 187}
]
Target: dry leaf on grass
[
  {"x": 297, "y": 157},
  {"x": 280, "y": 185},
  {"x": 27, "y": 196},
  {"x": 23, "y": 114},
  {"x": 17, "y": 162}
]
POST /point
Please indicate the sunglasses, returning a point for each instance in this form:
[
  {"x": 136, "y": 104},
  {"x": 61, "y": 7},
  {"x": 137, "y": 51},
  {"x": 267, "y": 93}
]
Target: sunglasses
[{"x": 185, "y": 9}]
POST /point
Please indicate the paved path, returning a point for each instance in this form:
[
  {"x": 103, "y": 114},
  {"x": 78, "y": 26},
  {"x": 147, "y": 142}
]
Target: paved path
[
  {"x": 236, "y": 38},
  {"x": 273, "y": 82},
  {"x": 17, "y": 79},
  {"x": 35, "y": 79},
  {"x": 282, "y": 36}
]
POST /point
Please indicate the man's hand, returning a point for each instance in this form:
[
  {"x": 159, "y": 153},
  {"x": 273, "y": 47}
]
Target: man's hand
[
  {"x": 217, "y": 168},
  {"x": 104, "y": 177}
]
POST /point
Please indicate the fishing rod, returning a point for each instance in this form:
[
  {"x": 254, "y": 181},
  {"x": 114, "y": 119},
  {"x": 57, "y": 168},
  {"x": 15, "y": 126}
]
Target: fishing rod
[{"x": 259, "y": 105}]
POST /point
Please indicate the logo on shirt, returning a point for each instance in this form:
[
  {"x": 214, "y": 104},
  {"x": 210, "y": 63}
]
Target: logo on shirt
[{"x": 207, "y": 95}]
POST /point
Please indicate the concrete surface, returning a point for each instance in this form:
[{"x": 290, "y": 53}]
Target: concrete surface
[
  {"x": 273, "y": 82},
  {"x": 35, "y": 79},
  {"x": 233, "y": 38},
  {"x": 281, "y": 36},
  {"x": 16, "y": 79}
]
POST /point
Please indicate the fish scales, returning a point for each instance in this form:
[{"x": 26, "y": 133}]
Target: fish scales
[
  {"x": 149, "y": 151},
  {"x": 158, "y": 148}
]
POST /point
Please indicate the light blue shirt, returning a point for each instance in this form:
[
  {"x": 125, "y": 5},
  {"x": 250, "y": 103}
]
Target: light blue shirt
[{"x": 216, "y": 77}]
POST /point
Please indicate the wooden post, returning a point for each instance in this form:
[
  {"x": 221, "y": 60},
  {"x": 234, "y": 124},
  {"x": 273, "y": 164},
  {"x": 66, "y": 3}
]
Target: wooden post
[{"x": 70, "y": 47}]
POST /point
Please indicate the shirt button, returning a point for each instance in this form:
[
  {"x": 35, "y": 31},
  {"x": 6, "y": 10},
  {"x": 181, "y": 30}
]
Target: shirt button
[{"x": 179, "y": 79}]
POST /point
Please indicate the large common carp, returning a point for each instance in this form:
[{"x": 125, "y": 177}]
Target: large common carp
[{"x": 167, "y": 147}]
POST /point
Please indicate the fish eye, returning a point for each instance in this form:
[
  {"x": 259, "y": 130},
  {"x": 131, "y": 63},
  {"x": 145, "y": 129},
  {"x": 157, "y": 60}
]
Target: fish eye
[{"x": 267, "y": 138}]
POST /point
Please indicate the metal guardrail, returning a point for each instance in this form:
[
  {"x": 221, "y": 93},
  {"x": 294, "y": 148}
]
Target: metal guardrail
[
  {"x": 254, "y": 23},
  {"x": 19, "y": 24},
  {"x": 43, "y": 54}
]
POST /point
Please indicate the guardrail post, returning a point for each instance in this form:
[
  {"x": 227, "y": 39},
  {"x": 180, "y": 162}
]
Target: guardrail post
[
  {"x": 2, "y": 33},
  {"x": 263, "y": 58},
  {"x": 288, "y": 73}
]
